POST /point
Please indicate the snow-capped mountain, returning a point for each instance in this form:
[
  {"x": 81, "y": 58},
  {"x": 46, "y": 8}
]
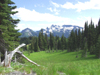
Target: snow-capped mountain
[
  {"x": 59, "y": 30},
  {"x": 55, "y": 29},
  {"x": 62, "y": 28}
]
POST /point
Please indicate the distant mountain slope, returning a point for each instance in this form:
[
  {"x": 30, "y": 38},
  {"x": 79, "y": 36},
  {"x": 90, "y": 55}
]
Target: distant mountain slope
[
  {"x": 55, "y": 29},
  {"x": 28, "y": 32}
]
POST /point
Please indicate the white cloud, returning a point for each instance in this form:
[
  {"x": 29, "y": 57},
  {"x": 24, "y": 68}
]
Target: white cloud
[
  {"x": 55, "y": 4},
  {"x": 54, "y": 10},
  {"x": 56, "y": 13},
  {"x": 28, "y": 15},
  {"x": 23, "y": 26},
  {"x": 79, "y": 21},
  {"x": 68, "y": 5},
  {"x": 94, "y": 19},
  {"x": 50, "y": 9},
  {"x": 20, "y": 26},
  {"x": 39, "y": 5},
  {"x": 92, "y": 4}
]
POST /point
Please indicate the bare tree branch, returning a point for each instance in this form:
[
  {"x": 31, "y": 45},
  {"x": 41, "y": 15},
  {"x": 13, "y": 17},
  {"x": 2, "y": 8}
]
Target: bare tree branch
[
  {"x": 6, "y": 62},
  {"x": 27, "y": 58}
]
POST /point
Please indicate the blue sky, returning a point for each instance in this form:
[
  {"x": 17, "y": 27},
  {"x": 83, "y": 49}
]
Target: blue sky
[{"x": 37, "y": 14}]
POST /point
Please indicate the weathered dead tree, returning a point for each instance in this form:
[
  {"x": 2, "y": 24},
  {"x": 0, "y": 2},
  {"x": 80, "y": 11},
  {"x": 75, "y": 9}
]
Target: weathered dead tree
[
  {"x": 27, "y": 58},
  {"x": 8, "y": 57},
  {"x": 0, "y": 58}
]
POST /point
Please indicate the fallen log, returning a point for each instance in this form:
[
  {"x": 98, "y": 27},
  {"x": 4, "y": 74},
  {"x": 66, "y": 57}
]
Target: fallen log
[
  {"x": 8, "y": 57},
  {"x": 27, "y": 58}
]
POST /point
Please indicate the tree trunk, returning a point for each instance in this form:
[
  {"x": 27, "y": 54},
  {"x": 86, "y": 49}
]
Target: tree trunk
[
  {"x": 0, "y": 58},
  {"x": 15, "y": 59},
  {"x": 6, "y": 62}
]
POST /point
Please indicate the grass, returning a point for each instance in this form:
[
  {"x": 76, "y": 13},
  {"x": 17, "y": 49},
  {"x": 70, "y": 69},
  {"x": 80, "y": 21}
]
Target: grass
[
  {"x": 54, "y": 63},
  {"x": 64, "y": 62}
]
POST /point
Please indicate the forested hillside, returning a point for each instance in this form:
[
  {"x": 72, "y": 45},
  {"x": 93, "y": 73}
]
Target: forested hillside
[{"x": 86, "y": 40}]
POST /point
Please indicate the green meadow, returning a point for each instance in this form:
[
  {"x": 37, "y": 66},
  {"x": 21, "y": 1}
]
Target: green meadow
[
  {"x": 55, "y": 63},
  {"x": 58, "y": 63}
]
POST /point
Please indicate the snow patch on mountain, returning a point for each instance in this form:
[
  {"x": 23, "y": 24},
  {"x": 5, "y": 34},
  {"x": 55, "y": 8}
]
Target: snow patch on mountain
[
  {"x": 55, "y": 29},
  {"x": 63, "y": 28},
  {"x": 50, "y": 30}
]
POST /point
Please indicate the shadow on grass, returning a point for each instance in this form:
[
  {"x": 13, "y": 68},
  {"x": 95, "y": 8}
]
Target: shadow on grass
[
  {"x": 66, "y": 52},
  {"x": 87, "y": 58}
]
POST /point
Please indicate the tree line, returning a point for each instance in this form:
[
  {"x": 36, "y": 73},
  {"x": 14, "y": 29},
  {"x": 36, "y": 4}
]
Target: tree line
[
  {"x": 87, "y": 40},
  {"x": 84, "y": 40},
  {"x": 43, "y": 42}
]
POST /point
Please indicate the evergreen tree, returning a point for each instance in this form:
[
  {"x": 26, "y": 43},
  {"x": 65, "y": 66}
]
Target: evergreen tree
[
  {"x": 79, "y": 39},
  {"x": 36, "y": 48},
  {"x": 55, "y": 42},
  {"x": 72, "y": 41},
  {"x": 32, "y": 43},
  {"x": 8, "y": 24},
  {"x": 51, "y": 41},
  {"x": 86, "y": 30},
  {"x": 62, "y": 42},
  {"x": 42, "y": 33},
  {"x": 82, "y": 40},
  {"x": 84, "y": 52},
  {"x": 92, "y": 49},
  {"x": 44, "y": 43},
  {"x": 70, "y": 45},
  {"x": 40, "y": 41},
  {"x": 98, "y": 29},
  {"x": 47, "y": 41},
  {"x": 98, "y": 48},
  {"x": 91, "y": 35},
  {"x": 59, "y": 44},
  {"x": 76, "y": 39},
  {"x": 65, "y": 43}
]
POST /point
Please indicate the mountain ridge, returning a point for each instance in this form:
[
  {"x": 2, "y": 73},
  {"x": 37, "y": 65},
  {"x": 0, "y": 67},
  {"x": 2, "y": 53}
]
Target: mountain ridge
[{"x": 55, "y": 29}]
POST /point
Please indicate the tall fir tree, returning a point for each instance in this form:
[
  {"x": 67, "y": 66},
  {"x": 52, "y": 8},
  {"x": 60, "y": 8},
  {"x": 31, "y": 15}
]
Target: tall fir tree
[
  {"x": 84, "y": 52},
  {"x": 7, "y": 25},
  {"x": 40, "y": 41},
  {"x": 98, "y": 48},
  {"x": 79, "y": 39},
  {"x": 32, "y": 43},
  {"x": 44, "y": 43},
  {"x": 47, "y": 41},
  {"x": 82, "y": 39},
  {"x": 72, "y": 41},
  {"x": 76, "y": 39},
  {"x": 51, "y": 41},
  {"x": 62, "y": 42},
  {"x": 86, "y": 30},
  {"x": 59, "y": 44},
  {"x": 98, "y": 29},
  {"x": 36, "y": 48}
]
